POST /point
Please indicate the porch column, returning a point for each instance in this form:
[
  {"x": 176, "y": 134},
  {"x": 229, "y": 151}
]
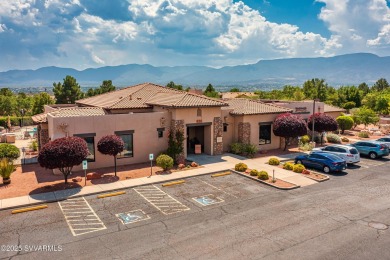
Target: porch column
[
  {"x": 178, "y": 125},
  {"x": 244, "y": 133},
  {"x": 217, "y": 136}
]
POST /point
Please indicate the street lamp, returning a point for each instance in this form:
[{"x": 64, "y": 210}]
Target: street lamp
[{"x": 312, "y": 121}]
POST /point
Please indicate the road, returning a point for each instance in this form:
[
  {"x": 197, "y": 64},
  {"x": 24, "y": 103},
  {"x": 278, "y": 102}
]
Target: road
[{"x": 346, "y": 217}]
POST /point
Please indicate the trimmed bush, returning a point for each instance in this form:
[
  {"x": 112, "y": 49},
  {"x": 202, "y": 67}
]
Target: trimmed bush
[
  {"x": 364, "y": 134},
  {"x": 333, "y": 138},
  {"x": 9, "y": 151},
  {"x": 288, "y": 166},
  {"x": 241, "y": 167},
  {"x": 262, "y": 175},
  {"x": 164, "y": 161},
  {"x": 344, "y": 139},
  {"x": 298, "y": 168},
  {"x": 273, "y": 161},
  {"x": 250, "y": 150},
  {"x": 254, "y": 172},
  {"x": 236, "y": 148},
  {"x": 305, "y": 139}
]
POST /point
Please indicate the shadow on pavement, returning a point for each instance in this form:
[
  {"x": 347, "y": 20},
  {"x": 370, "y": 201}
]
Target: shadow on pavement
[{"x": 72, "y": 187}]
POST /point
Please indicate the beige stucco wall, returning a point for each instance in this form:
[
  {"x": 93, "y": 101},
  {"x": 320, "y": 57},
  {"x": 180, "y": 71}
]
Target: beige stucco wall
[
  {"x": 145, "y": 139},
  {"x": 254, "y": 120},
  {"x": 228, "y": 136},
  {"x": 334, "y": 114},
  {"x": 303, "y": 105}
]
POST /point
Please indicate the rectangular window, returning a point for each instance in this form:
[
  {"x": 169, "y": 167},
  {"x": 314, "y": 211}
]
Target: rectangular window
[
  {"x": 90, "y": 139},
  {"x": 127, "y": 137},
  {"x": 225, "y": 127},
  {"x": 160, "y": 132},
  {"x": 265, "y": 134}
]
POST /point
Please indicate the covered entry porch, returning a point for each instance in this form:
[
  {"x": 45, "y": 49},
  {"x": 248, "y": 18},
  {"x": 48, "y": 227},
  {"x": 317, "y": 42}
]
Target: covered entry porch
[{"x": 199, "y": 138}]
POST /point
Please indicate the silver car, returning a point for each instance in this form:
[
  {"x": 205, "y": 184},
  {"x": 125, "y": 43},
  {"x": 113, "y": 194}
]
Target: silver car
[
  {"x": 348, "y": 153},
  {"x": 385, "y": 140}
]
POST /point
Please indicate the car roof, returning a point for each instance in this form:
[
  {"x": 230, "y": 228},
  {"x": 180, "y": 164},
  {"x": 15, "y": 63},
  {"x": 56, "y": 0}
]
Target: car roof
[
  {"x": 370, "y": 141},
  {"x": 339, "y": 145},
  {"x": 332, "y": 156}
]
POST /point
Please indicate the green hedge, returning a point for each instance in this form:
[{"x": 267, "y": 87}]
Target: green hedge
[{"x": 15, "y": 121}]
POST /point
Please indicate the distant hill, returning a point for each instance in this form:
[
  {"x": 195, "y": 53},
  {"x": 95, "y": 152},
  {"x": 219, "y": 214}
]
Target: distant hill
[{"x": 339, "y": 70}]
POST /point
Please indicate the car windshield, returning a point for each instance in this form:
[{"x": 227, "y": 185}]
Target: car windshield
[{"x": 353, "y": 151}]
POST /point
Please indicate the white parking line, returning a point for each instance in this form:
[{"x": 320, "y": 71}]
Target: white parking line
[
  {"x": 369, "y": 163},
  {"x": 161, "y": 200},
  {"x": 80, "y": 216}
]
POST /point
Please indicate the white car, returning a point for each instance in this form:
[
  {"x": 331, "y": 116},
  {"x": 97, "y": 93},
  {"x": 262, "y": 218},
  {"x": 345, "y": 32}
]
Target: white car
[
  {"x": 385, "y": 140},
  {"x": 348, "y": 153}
]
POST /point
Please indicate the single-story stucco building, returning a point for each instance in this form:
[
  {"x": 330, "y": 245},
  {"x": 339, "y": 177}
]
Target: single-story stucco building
[{"x": 143, "y": 115}]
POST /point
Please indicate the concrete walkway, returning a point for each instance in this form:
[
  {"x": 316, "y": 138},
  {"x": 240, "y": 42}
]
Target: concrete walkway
[{"x": 210, "y": 164}]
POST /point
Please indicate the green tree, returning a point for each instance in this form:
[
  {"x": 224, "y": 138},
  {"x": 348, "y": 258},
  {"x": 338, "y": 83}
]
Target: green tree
[
  {"x": 172, "y": 84},
  {"x": 6, "y": 92},
  {"x": 235, "y": 90},
  {"x": 364, "y": 88},
  {"x": 345, "y": 123},
  {"x": 298, "y": 95},
  {"x": 210, "y": 92},
  {"x": 8, "y": 105},
  {"x": 380, "y": 84},
  {"x": 382, "y": 104},
  {"x": 24, "y": 102},
  {"x": 67, "y": 92},
  {"x": 316, "y": 88},
  {"x": 105, "y": 87},
  {"x": 39, "y": 102},
  {"x": 289, "y": 91},
  {"x": 366, "y": 116}
]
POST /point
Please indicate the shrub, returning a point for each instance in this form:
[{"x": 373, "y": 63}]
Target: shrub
[
  {"x": 241, "y": 167},
  {"x": 334, "y": 139},
  {"x": 363, "y": 134},
  {"x": 288, "y": 166},
  {"x": 254, "y": 172},
  {"x": 6, "y": 168},
  {"x": 305, "y": 139},
  {"x": 34, "y": 145},
  {"x": 250, "y": 150},
  {"x": 164, "y": 161},
  {"x": 298, "y": 168},
  {"x": 236, "y": 148},
  {"x": 306, "y": 147},
  {"x": 273, "y": 161},
  {"x": 263, "y": 175},
  {"x": 344, "y": 139},
  {"x": 9, "y": 151},
  {"x": 345, "y": 123},
  {"x": 305, "y": 172}
]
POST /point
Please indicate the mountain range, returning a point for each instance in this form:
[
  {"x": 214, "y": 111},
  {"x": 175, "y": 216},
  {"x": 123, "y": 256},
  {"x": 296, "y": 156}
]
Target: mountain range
[{"x": 349, "y": 69}]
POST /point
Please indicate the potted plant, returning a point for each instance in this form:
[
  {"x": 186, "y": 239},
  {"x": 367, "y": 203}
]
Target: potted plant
[{"x": 6, "y": 169}]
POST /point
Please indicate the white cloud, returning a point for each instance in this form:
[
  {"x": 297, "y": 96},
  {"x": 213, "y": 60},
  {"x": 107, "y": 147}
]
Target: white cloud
[
  {"x": 80, "y": 34},
  {"x": 359, "y": 25}
]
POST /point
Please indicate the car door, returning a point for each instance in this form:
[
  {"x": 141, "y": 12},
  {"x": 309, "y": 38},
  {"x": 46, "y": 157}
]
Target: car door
[
  {"x": 342, "y": 153},
  {"x": 316, "y": 160},
  {"x": 362, "y": 147}
]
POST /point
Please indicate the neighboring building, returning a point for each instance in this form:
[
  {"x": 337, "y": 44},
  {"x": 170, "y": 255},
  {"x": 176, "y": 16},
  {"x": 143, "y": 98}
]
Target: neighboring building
[{"x": 228, "y": 95}]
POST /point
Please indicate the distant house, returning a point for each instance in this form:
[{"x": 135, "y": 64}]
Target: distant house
[{"x": 143, "y": 115}]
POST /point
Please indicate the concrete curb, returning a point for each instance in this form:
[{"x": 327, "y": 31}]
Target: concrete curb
[{"x": 266, "y": 183}]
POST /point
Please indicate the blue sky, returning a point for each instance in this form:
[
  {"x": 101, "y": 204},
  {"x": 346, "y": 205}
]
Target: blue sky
[{"x": 89, "y": 33}]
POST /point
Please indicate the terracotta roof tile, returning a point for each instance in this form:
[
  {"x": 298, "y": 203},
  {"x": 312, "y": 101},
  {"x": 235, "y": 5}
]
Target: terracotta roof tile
[
  {"x": 242, "y": 106},
  {"x": 147, "y": 94},
  {"x": 39, "y": 118},
  {"x": 80, "y": 111}
]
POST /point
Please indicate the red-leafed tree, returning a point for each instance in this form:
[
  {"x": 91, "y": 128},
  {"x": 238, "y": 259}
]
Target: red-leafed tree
[
  {"x": 289, "y": 126},
  {"x": 111, "y": 145},
  {"x": 322, "y": 123},
  {"x": 63, "y": 154}
]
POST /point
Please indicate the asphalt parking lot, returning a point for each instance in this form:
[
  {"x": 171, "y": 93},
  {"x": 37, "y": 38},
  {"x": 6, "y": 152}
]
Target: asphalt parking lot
[{"x": 219, "y": 218}]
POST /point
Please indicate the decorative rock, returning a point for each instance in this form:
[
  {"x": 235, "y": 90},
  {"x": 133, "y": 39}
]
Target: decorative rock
[
  {"x": 194, "y": 164},
  {"x": 181, "y": 166},
  {"x": 77, "y": 179},
  {"x": 93, "y": 175}
]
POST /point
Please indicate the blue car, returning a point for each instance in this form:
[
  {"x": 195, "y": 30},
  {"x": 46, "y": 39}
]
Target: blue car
[
  {"x": 373, "y": 149},
  {"x": 322, "y": 161}
]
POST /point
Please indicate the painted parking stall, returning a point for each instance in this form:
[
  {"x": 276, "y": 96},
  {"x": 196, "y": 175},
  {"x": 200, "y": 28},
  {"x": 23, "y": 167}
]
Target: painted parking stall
[
  {"x": 80, "y": 216},
  {"x": 161, "y": 200}
]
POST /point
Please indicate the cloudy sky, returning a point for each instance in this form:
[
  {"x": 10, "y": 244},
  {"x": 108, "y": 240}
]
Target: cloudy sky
[{"x": 94, "y": 33}]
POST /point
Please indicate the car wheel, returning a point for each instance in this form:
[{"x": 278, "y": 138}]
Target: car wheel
[
  {"x": 373, "y": 155},
  {"x": 326, "y": 169},
  {"x": 299, "y": 162}
]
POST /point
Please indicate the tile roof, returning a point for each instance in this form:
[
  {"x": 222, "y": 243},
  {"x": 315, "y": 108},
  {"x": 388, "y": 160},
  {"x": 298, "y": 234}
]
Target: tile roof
[
  {"x": 69, "y": 112},
  {"x": 330, "y": 108},
  {"x": 243, "y": 106},
  {"x": 79, "y": 111},
  {"x": 147, "y": 94}
]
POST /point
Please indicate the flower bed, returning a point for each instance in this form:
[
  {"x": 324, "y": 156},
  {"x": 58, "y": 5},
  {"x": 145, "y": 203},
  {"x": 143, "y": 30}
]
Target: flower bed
[
  {"x": 316, "y": 176},
  {"x": 277, "y": 183}
]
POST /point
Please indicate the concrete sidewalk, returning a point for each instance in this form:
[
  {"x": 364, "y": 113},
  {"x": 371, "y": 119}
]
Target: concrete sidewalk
[{"x": 210, "y": 164}]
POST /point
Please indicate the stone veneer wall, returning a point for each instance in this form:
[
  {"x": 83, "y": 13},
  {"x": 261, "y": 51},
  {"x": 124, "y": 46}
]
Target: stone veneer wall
[
  {"x": 43, "y": 136},
  {"x": 218, "y": 128},
  {"x": 244, "y": 133},
  {"x": 178, "y": 125}
]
